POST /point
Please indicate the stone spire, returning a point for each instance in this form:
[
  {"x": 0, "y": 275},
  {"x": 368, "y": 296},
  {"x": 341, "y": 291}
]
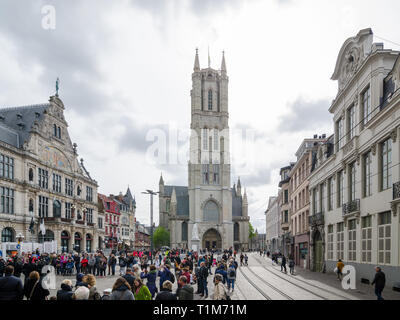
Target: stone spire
[
  {"x": 173, "y": 196},
  {"x": 161, "y": 180},
  {"x": 239, "y": 187},
  {"x": 223, "y": 64},
  {"x": 161, "y": 185},
  {"x": 245, "y": 205},
  {"x": 196, "y": 61}
]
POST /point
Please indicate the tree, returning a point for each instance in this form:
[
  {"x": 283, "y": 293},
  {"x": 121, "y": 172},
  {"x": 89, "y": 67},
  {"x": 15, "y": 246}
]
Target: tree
[
  {"x": 252, "y": 234},
  {"x": 160, "y": 237}
]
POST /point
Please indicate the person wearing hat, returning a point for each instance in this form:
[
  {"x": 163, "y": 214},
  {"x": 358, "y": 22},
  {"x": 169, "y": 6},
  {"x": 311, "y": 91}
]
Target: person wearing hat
[
  {"x": 106, "y": 294},
  {"x": 379, "y": 281}
]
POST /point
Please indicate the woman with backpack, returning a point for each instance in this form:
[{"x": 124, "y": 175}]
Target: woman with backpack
[
  {"x": 231, "y": 276},
  {"x": 291, "y": 265}
]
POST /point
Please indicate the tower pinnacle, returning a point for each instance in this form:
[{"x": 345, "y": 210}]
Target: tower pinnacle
[
  {"x": 223, "y": 64},
  {"x": 196, "y": 61}
]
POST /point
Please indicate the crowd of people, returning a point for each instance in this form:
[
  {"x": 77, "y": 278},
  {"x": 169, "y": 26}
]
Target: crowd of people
[{"x": 137, "y": 275}]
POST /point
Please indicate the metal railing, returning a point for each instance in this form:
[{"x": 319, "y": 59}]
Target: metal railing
[
  {"x": 351, "y": 207},
  {"x": 316, "y": 219}
]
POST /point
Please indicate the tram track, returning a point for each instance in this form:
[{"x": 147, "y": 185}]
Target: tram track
[
  {"x": 254, "y": 285},
  {"x": 271, "y": 285},
  {"x": 305, "y": 282}
]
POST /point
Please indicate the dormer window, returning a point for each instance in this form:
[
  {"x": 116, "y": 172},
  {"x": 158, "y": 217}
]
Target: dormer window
[
  {"x": 19, "y": 116},
  {"x": 57, "y": 131}
]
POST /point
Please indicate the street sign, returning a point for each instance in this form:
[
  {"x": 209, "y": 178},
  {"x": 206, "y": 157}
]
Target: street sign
[{"x": 18, "y": 246}]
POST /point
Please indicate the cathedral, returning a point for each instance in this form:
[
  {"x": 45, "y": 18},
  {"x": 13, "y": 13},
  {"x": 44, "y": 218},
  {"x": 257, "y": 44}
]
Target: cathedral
[{"x": 208, "y": 213}]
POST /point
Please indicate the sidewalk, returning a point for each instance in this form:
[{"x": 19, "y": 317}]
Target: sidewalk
[{"x": 362, "y": 291}]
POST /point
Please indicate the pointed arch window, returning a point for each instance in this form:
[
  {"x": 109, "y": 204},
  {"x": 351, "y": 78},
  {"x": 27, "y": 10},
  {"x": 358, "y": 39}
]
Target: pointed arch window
[
  {"x": 211, "y": 212},
  {"x": 210, "y": 99}
]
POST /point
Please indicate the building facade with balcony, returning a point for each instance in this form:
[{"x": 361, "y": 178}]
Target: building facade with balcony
[
  {"x": 354, "y": 180},
  {"x": 112, "y": 235},
  {"x": 42, "y": 181},
  {"x": 300, "y": 199},
  {"x": 273, "y": 226},
  {"x": 287, "y": 239}
]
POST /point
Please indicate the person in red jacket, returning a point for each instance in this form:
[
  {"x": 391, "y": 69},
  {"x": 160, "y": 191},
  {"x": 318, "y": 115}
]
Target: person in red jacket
[{"x": 84, "y": 264}]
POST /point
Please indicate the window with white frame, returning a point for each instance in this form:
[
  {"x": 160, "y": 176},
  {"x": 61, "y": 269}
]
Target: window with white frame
[
  {"x": 351, "y": 124},
  {"x": 330, "y": 194},
  {"x": 384, "y": 237},
  {"x": 340, "y": 241},
  {"x": 366, "y": 239},
  {"x": 56, "y": 182},
  {"x": 7, "y": 200},
  {"x": 69, "y": 187},
  {"x": 339, "y": 133},
  {"x": 367, "y": 183},
  {"x": 386, "y": 164},
  {"x": 330, "y": 242},
  {"x": 68, "y": 210},
  {"x": 352, "y": 240},
  {"x": 340, "y": 180},
  {"x": 89, "y": 215},
  {"x": 366, "y": 106},
  {"x": 352, "y": 181},
  {"x": 321, "y": 198},
  {"x": 43, "y": 178},
  {"x": 6, "y": 167},
  {"x": 43, "y": 207}
]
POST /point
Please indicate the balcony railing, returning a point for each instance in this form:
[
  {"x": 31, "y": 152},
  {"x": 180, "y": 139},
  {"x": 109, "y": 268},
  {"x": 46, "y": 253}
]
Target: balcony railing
[
  {"x": 351, "y": 207},
  {"x": 316, "y": 219},
  {"x": 396, "y": 190}
]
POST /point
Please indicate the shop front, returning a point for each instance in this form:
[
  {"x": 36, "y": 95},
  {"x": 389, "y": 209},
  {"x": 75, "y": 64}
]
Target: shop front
[{"x": 301, "y": 251}]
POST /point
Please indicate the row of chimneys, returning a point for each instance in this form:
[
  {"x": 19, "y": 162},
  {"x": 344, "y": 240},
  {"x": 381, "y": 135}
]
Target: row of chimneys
[{"x": 320, "y": 137}]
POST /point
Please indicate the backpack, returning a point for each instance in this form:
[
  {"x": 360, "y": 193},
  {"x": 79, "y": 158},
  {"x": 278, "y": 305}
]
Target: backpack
[{"x": 231, "y": 273}]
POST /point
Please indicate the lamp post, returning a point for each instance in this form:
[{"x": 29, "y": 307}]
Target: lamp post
[{"x": 151, "y": 193}]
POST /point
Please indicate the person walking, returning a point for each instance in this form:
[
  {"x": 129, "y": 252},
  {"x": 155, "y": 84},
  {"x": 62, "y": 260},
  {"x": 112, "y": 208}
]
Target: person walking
[
  {"x": 122, "y": 265},
  {"x": 185, "y": 290},
  {"x": 283, "y": 263},
  {"x": 141, "y": 290},
  {"x": 203, "y": 278},
  {"x": 291, "y": 265},
  {"x": 112, "y": 262},
  {"x": 379, "y": 281},
  {"x": 339, "y": 268},
  {"x": 166, "y": 292},
  {"x": 151, "y": 277},
  {"x": 231, "y": 276},
  {"x": 121, "y": 290}
]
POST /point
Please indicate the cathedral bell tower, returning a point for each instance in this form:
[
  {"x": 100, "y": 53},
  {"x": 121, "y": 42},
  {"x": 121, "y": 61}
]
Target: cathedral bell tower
[{"x": 210, "y": 197}]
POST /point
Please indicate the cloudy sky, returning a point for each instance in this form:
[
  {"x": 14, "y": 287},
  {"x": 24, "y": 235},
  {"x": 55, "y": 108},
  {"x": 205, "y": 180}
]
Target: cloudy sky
[{"x": 125, "y": 70}]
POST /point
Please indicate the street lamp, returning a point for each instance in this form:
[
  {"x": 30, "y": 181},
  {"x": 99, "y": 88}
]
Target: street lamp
[{"x": 151, "y": 193}]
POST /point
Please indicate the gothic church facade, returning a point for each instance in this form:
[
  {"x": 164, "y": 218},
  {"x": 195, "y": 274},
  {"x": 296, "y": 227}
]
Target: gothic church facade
[{"x": 208, "y": 213}]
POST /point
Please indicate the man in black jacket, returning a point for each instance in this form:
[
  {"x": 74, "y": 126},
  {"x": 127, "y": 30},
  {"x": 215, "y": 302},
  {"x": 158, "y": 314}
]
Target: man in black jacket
[
  {"x": 203, "y": 273},
  {"x": 379, "y": 282},
  {"x": 11, "y": 287}
]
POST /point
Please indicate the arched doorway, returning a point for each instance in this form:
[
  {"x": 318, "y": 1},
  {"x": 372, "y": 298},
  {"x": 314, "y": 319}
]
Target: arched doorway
[
  {"x": 8, "y": 235},
  {"x": 318, "y": 252},
  {"x": 89, "y": 243},
  {"x": 77, "y": 242},
  {"x": 212, "y": 240},
  {"x": 65, "y": 241}
]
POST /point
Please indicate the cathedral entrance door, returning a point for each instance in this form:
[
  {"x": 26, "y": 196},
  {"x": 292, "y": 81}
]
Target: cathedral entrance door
[{"x": 212, "y": 240}]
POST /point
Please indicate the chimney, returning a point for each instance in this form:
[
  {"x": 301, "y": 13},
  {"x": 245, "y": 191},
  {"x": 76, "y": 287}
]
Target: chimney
[
  {"x": 324, "y": 136},
  {"x": 315, "y": 136}
]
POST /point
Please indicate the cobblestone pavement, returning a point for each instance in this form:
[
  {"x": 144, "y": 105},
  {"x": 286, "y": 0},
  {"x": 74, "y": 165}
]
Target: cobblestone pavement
[{"x": 261, "y": 280}]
